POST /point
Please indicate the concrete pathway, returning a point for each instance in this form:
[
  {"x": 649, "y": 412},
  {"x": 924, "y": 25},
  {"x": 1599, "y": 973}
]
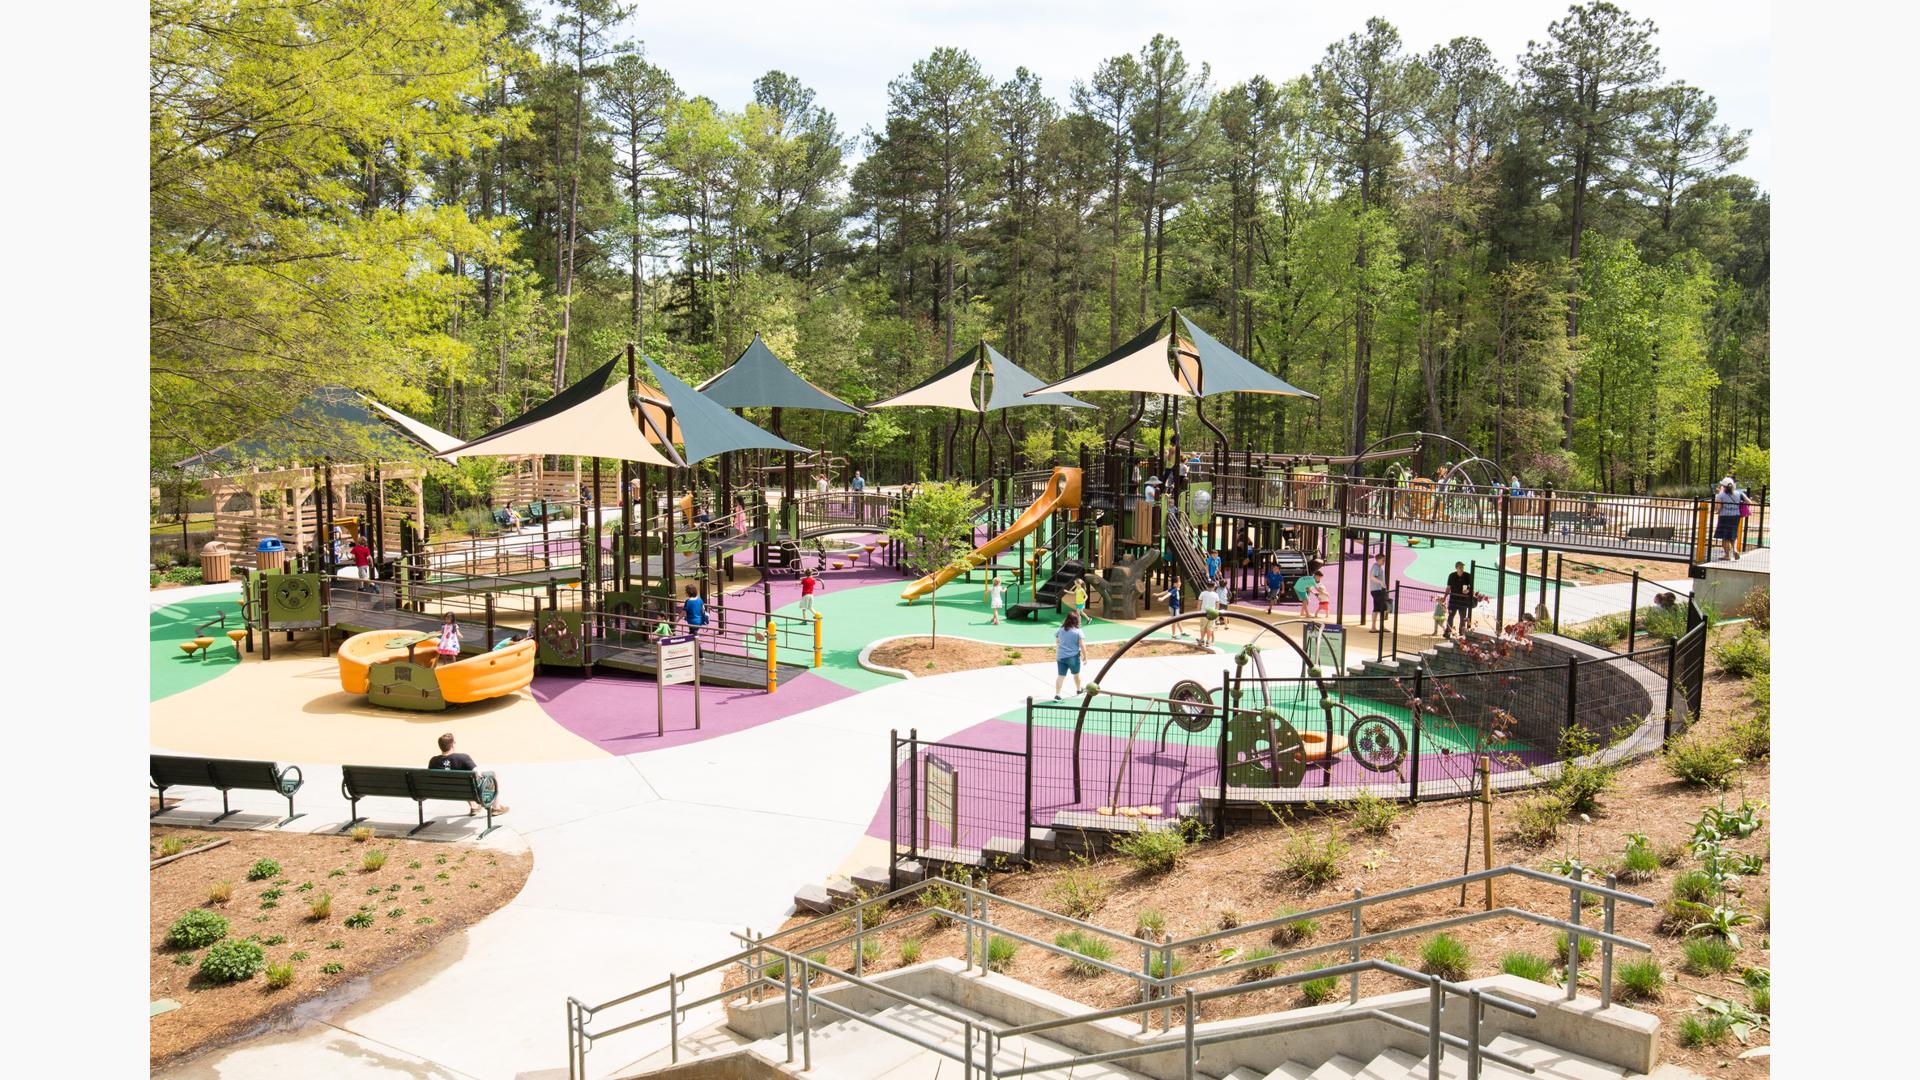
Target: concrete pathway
[{"x": 643, "y": 865}]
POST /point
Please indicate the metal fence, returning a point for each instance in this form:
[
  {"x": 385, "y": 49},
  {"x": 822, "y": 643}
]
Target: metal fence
[{"x": 955, "y": 803}]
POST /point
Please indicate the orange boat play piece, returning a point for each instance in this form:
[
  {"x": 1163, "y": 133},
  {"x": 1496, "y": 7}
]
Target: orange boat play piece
[
  {"x": 1314, "y": 746},
  {"x": 382, "y": 665}
]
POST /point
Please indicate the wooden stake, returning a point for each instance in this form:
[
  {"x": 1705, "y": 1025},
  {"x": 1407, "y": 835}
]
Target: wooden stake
[{"x": 1486, "y": 821}]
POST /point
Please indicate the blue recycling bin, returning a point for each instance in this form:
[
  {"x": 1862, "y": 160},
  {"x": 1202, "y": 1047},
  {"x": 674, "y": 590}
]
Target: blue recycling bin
[{"x": 271, "y": 543}]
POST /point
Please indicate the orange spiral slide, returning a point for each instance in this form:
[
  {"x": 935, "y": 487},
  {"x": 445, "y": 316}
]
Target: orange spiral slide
[{"x": 1061, "y": 493}]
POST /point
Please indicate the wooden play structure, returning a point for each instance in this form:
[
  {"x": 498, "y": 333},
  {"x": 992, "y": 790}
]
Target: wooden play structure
[{"x": 388, "y": 666}]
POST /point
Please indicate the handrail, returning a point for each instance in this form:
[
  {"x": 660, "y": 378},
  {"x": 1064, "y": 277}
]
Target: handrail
[{"x": 1157, "y": 990}]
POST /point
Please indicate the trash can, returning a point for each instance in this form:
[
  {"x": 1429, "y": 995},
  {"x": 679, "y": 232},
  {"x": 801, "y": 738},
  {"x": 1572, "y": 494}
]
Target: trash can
[
  {"x": 216, "y": 563},
  {"x": 271, "y": 553}
]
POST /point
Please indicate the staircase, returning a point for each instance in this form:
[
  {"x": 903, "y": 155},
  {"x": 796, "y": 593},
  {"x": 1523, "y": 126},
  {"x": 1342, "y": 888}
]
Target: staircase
[
  {"x": 1187, "y": 559},
  {"x": 1066, "y": 571}
]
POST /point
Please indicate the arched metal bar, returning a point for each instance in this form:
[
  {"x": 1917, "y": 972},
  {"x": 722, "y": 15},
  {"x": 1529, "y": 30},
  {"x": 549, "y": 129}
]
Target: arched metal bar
[{"x": 1080, "y": 720}]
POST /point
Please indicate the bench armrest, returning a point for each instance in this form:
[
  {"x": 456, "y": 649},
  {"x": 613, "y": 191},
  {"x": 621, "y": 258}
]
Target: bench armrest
[
  {"x": 486, "y": 787},
  {"x": 290, "y": 779}
]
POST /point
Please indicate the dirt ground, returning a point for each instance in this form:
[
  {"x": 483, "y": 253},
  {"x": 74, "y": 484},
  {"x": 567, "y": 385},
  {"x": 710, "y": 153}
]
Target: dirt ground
[
  {"x": 1579, "y": 571},
  {"x": 422, "y": 893},
  {"x": 1240, "y": 879},
  {"x": 923, "y": 656}
]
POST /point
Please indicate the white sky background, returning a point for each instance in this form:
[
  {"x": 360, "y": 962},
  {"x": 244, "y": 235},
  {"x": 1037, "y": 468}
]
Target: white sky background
[{"x": 847, "y": 51}]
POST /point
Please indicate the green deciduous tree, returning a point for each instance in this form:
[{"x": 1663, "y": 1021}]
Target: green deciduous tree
[{"x": 936, "y": 526}]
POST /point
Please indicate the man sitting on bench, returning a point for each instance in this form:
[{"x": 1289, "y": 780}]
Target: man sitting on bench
[{"x": 447, "y": 759}]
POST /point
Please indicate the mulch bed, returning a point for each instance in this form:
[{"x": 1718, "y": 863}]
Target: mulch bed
[
  {"x": 924, "y": 656},
  {"x": 1240, "y": 879},
  {"x": 424, "y": 892}
]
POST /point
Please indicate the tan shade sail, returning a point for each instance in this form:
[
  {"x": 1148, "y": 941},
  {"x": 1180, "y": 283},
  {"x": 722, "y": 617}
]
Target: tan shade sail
[
  {"x": 949, "y": 388},
  {"x": 600, "y": 426},
  {"x": 1144, "y": 369},
  {"x": 432, "y": 437}
]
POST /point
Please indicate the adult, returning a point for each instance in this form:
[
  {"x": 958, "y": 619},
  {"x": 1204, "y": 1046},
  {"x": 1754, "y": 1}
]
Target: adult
[
  {"x": 859, "y": 481},
  {"x": 1726, "y": 526},
  {"x": 1068, "y": 644},
  {"x": 513, "y": 519},
  {"x": 820, "y": 482},
  {"x": 449, "y": 758},
  {"x": 1210, "y": 609},
  {"x": 1377, "y": 589},
  {"x": 1459, "y": 599},
  {"x": 1151, "y": 490}
]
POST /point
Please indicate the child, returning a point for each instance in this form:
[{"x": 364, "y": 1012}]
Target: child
[
  {"x": 1080, "y": 599},
  {"x": 1273, "y": 585},
  {"x": 448, "y": 650},
  {"x": 1210, "y": 605},
  {"x": 1172, "y": 598},
  {"x": 1326, "y": 601},
  {"x": 696, "y": 609},
  {"x": 1439, "y": 614},
  {"x": 808, "y": 585},
  {"x": 1303, "y": 588},
  {"x": 996, "y": 598}
]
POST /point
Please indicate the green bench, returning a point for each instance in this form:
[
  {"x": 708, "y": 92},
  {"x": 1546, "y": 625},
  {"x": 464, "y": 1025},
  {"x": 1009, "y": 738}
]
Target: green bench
[
  {"x": 224, "y": 775},
  {"x": 458, "y": 785}
]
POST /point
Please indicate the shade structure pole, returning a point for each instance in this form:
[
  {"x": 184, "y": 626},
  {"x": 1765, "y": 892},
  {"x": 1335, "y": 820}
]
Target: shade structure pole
[
  {"x": 786, "y": 486},
  {"x": 973, "y": 447},
  {"x": 1013, "y": 452}
]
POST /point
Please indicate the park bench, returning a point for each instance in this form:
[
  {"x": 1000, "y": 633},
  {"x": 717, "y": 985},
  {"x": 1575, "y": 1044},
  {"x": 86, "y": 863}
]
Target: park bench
[
  {"x": 458, "y": 785},
  {"x": 1650, "y": 532},
  {"x": 224, "y": 775}
]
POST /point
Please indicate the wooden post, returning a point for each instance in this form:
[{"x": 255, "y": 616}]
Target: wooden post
[{"x": 1486, "y": 822}]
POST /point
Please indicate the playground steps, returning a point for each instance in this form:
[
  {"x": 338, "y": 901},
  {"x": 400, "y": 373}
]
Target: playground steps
[{"x": 1047, "y": 596}]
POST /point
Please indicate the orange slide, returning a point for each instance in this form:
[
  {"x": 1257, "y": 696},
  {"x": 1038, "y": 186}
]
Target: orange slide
[{"x": 1061, "y": 493}]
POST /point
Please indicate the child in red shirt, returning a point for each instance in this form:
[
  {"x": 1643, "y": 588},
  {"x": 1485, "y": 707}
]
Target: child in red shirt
[{"x": 807, "y": 585}]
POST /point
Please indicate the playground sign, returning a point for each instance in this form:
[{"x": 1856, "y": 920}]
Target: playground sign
[
  {"x": 676, "y": 661},
  {"x": 942, "y": 798}
]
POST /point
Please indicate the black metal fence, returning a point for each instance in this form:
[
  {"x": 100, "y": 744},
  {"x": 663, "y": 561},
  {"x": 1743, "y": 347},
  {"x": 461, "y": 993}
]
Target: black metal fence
[{"x": 955, "y": 803}]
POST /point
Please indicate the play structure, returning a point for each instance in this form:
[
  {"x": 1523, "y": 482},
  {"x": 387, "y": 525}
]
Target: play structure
[
  {"x": 389, "y": 666},
  {"x": 1062, "y": 493}
]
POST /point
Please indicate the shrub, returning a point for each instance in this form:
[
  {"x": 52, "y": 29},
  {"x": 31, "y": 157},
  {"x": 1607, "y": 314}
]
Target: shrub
[
  {"x": 1710, "y": 1030},
  {"x": 1580, "y": 784},
  {"x": 1446, "y": 956},
  {"x": 1536, "y": 819},
  {"x": 320, "y": 907},
  {"x": 373, "y": 860},
  {"x": 1753, "y": 736},
  {"x": 273, "y": 894},
  {"x": 1155, "y": 852},
  {"x": 1000, "y": 952},
  {"x": 336, "y": 943},
  {"x": 232, "y": 960},
  {"x": 910, "y": 950},
  {"x": 1315, "y": 991},
  {"x": 1664, "y": 623},
  {"x": 1602, "y": 631},
  {"x": 1150, "y": 925},
  {"x": 184, "y": 959},
  {"x": 1260, "y": 971},
  {"x": 185, "y": 575},
  {"x": 1708, "y": 955},
  {"x": 1077, "y": 893},
  {"x": 1528, "y": 966},
  {"x": 394, "y": 913},
  {"x": 297, "y": 956},
  {"x": 1743, "y": 656},
  {"x": 1314, "y": 862},
  {"x": 1758, "y": 609},
  {"x": 197, "y": 928},
  {"x": 1701, "y": 762},
  {"x": 944, "y": 897},
  {"x": 1588, "y": 947},
  {"x": 274, "y": 939},
  {"x": 360, "y": 920},
  {"x": 1294, "y": 932},
  {"x": 279, "y": 976},
  {"x": 1640, "y": 980},
  {"x": 264, "y": 869},
  {"x": 1084, "y": 944},
  {"x": 1373, "y": 815},
  {"x": 219, "y": 892},
  {"x": 361, "y": 834},
  {"x": 332, "y": 969}
]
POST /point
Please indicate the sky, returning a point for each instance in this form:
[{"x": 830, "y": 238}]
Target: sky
[{"x": 848, "y": 50}]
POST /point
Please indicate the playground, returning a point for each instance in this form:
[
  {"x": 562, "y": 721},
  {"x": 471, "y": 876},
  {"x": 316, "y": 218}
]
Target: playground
[{"x": 681, "y": 634}]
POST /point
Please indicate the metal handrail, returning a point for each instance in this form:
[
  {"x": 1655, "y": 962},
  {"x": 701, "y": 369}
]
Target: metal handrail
[{"x": 1157, "y": 990}]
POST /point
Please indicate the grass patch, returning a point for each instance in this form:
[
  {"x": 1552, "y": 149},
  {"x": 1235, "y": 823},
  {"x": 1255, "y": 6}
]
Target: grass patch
[
  {"x": 1446, "y": 956},
  {"x": 1745, "y": 655},
  {"x": 1529, "y": 966},
  {"x": 219, "y": 892},
  {"x": 1692, "y": 887},
  {"x": 1150, "y": 925},
  {"x": 1086, "y": 945},
  {"x": 1315, "y": 991},
  {"x": 910, "y": 950},
  {"x": 1077, "y": 893},
  {"x": 279, "y": 976},
  {"x": 1373, "y": 815},
  {"x": 1639, "y": 861},
  {"x": 1260, "y": 971},
  {"x": 1537, "y": 819},
  {"x": 1295, "y": 931},
  {"x": 320, "y": 907},
  {"x": 1159, "y": 968},
  {"x": 1711, "y": 1030},
  {"x": 1156, "y": 852},
  {"x": 361, "y": 834},
  {"x": 373, "y": 860},
  {"x": 1708, "y": 955},
  {"x": 1000, "y": 952},
  {"x": 1588, "y": 947},
  {"x": 1639, "y": 980}
]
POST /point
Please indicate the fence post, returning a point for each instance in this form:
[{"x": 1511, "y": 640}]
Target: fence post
[
  {"x": 1228, "y": 700},
  {"x": 1673, "y": 649},
  {"x": 1633, "y": 612},
  {"x": 489, "y": 622},
  {"x": 1353, "y": 952},
  {"x": 1573, "y": 938},
  {"x": 1413, "y": 763},
  {"x": 913, "y": 790},
  {"x": 1573, "y": 691},
  {"x": 893, "y": 809},
  {"x": 1606, "y": 948}
]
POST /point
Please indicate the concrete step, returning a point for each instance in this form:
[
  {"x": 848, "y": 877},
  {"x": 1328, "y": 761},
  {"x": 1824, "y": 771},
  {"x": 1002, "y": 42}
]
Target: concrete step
[
  {"x": 850, "y": 1050},
  {"x": 812, "y": 898},
  {"x": 1390, "y": 1065},
  {"x": 873, "y": 879},
  {"x": 1549, "y": 1063},
  {"x": 1290, "y": 1070},
  {"x": 1338, "y": 1067}
]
